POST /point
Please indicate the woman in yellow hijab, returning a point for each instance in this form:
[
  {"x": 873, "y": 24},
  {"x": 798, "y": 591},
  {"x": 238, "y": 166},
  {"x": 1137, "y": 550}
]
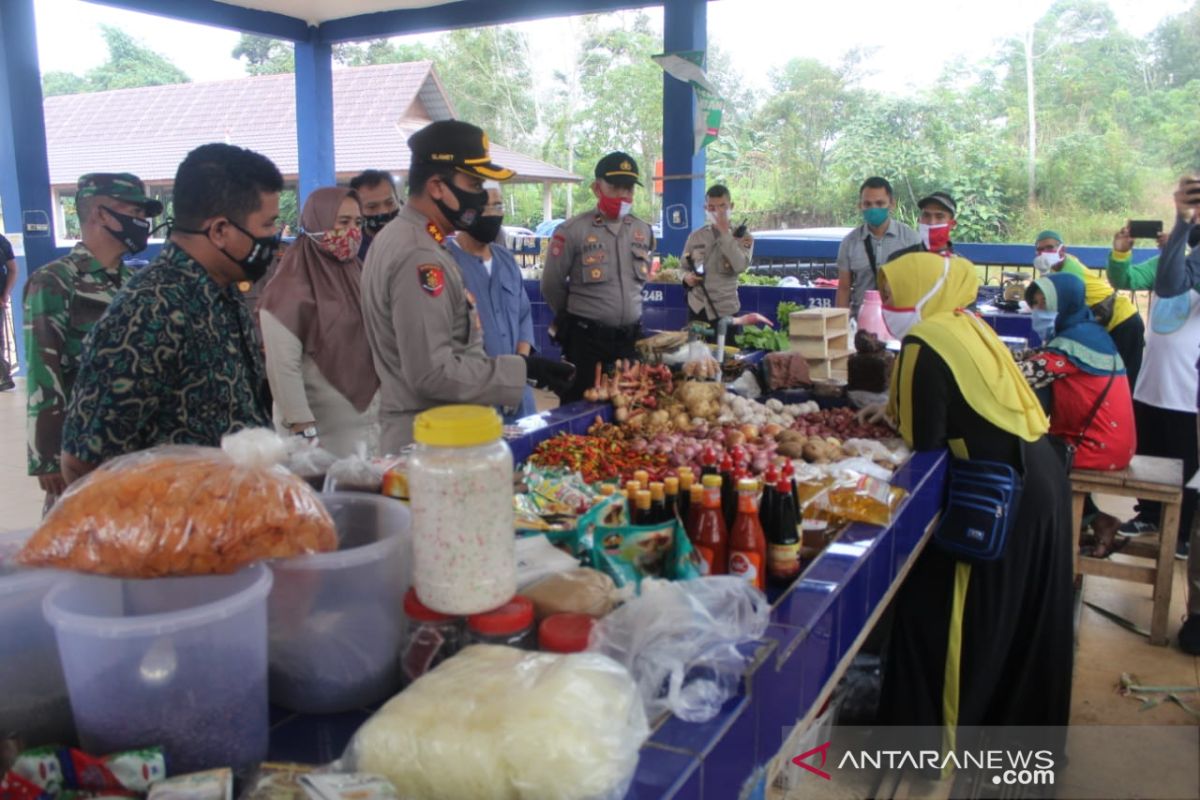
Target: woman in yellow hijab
[{"x": 991, "y": 643}]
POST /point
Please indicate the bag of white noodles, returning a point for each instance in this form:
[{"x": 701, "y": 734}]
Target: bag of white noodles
[{"x": 497, "y": 723}]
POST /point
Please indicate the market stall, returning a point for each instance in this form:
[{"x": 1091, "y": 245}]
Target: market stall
[{"x": 339, "y": 648}]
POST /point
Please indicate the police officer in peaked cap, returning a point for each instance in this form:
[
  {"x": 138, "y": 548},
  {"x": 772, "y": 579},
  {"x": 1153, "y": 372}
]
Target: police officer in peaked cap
[{"x": 594, "y": 273}]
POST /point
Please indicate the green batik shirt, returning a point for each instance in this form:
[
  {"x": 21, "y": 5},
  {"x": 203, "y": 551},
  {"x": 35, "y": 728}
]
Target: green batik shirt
[
  {"x": 63, "y": 301},
  {"x": 176, "y": 360}
]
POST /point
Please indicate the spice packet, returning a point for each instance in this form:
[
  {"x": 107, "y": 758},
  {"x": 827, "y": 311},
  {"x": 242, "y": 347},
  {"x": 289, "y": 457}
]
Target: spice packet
[
  {"x": 131, "y": 771},
  {"x": 213, "y": 784},
  {"x": 277, "y": 781},
  {"x": 41, "y": 766},
  {"x": 629, "y": 553},
  {"x": 349, "y": 786},
  {"x": 14, "y": 786}
]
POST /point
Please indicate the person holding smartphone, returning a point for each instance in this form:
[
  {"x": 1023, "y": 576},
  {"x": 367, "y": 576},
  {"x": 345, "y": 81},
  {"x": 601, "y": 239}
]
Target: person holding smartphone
[{"x": 1178, "y": 275}]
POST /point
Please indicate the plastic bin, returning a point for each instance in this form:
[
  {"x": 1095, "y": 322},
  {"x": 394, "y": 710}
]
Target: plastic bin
[
  {"x": 179, "y": 662},
  {"x": 336, "y": 619},
  {"x": 33, "y": 693}
]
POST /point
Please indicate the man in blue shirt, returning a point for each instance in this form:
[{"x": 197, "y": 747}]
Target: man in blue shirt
[{"x": 494, "y": 288}]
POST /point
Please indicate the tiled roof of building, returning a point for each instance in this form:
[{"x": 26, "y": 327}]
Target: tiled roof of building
[{"x": 148, "y": 130}]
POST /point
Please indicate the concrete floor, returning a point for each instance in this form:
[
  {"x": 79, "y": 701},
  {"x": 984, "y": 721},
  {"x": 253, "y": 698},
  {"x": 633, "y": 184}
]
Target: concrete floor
[{"x": 1105, "y": 649}]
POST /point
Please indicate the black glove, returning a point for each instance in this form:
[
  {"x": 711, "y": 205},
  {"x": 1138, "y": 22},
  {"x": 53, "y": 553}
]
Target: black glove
[{"x": 546, "y": 374}]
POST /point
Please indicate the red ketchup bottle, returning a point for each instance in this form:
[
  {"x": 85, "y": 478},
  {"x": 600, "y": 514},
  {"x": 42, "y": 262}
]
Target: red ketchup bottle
[{"x": 747, "y": 544}]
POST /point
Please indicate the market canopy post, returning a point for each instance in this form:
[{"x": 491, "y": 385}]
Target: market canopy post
[{"x": 314, "y": 26}]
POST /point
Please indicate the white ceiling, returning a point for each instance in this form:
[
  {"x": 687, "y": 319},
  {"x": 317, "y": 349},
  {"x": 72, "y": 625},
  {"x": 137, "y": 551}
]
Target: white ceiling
[{"x": 314, "y": 12}]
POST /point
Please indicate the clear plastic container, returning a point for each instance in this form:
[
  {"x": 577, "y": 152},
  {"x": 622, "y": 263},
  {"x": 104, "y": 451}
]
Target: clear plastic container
[
  {"x": 33, "y": 693},
  {"x": 335, "y": 619},
  {"x": 430, "y": 638},
  {"x": 460, "y": 480},
  {"x": 180, "y": 662},
  {"x": 510, "y": 624}
]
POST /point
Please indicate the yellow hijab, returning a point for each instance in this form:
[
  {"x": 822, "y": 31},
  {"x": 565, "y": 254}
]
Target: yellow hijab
[{"x": 982, "y": 366}]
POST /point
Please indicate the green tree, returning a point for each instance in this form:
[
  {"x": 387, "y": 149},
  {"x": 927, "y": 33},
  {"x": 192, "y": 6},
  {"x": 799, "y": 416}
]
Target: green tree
[
  {"x": 1176, "y": 47},
  {"x": 130, "y": 64},
  {"x": 265, "y": 56},
  {"x": 486, "y": 72}
]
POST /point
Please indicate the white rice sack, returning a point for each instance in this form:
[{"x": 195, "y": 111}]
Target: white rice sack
[{"x": 497, "y": 723}]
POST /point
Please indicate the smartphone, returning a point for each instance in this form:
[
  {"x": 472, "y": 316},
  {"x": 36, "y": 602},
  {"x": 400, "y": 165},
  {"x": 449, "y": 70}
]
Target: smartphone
[
  {"x": 1145, "y": 228},
  {"x": 1192, "y": 193}
]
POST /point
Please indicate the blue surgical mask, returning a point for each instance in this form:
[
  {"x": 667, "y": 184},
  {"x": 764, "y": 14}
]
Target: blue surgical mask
[
  {"x": 874, "y": 217},
  {"x": 1043, "y": 323}
]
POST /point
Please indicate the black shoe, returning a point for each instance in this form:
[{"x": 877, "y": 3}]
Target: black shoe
[
  {"x": 1137, "y": 527},
  {"x": 1181, "y": 550},
  {"x": 1189, "y": 636},
  {"x": 7, "y": 386}
]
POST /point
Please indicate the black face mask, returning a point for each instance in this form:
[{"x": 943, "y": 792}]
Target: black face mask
[
  {"x": 374, "y": 223},
  {"x": 470, "y": 207},
  {"x": 134, "y": 233},
  {"x": 485, "y": 229},
  {"x": 260, "y": 257}
]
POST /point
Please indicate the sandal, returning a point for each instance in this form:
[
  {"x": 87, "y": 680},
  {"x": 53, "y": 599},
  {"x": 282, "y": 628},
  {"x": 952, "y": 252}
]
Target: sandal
[{"x": 1106, "y": 541}]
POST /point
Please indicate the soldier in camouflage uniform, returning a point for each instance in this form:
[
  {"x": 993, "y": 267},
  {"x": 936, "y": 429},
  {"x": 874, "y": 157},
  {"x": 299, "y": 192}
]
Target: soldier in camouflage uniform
[{"x": 65, "y": 298}]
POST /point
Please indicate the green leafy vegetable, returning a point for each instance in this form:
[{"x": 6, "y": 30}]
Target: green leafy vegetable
[
  {"x": 754, "y": 337},
  {"x": 783, "y": 314}
]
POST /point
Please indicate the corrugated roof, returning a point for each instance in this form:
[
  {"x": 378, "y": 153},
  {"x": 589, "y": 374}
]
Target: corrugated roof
[{"x": 148, "y": 131}]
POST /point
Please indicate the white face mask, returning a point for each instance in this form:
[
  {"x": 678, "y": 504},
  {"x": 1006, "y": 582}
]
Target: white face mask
[
  {"x": 900, "y": 321},
  {"x": 1045, "y": 262}
]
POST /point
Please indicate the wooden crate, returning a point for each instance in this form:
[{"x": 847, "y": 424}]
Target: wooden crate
[
  {"x": 837, "y": 365},
  {"x": 819, "y": 322},
  {"x": 813, "y": 347}
]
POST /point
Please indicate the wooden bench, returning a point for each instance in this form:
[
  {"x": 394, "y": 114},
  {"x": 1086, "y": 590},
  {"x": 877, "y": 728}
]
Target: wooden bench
[{"x": 1147, "y": 478}]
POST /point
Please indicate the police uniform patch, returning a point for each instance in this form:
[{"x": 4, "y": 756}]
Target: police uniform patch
[
  {"x": 596, "y": 273},
  {"x": 433, "y": 280},
  {"x": 639, "y": 236},
  {"x": 592, "y": 238},
  {"x": 557, "y": 244}
]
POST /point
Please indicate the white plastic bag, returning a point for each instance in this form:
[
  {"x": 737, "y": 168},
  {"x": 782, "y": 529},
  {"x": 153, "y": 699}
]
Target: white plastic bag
[
  {"x": 505, "y": 724},
  {"x": 679, "y": 640}
]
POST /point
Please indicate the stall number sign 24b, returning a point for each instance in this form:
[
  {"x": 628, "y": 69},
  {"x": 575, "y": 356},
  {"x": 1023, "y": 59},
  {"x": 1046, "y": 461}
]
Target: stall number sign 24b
[{"x": 652, "y": 295}]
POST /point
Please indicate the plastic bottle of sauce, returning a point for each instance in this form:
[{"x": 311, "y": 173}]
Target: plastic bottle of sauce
[
  {"x": 708, "y": 462},
  {"x": 711, "y": 537},
  {"x": 770, "y": 500},
  {"x": 695, "y": 503},
  {"x": 783, "y": 555},
  {"x": 685, "y": 495},
  {"x": 671, "y": 488},
  {"x": 643, "y": 512},
  {"x": 728, "y": 491},
  {"x": 747, "y": 544},
  {"x": 658, "y": 503}
]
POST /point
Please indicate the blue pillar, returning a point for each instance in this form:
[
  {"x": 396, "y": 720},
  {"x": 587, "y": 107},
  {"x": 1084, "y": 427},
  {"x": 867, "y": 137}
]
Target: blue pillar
[
  {"x": 24, "y": 171},
  {"x": 314, "y": 114},
  {"x": 685, "y": 27}
]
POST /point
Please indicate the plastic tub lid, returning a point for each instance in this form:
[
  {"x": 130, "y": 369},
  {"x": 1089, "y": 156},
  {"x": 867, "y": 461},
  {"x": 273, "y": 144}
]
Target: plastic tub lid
[
  {"x": 14, "y": 578},
  {"x": 414, "y": 609},
  {"x": 514, "y": 616},
  {"x": 565, "y": 633}
]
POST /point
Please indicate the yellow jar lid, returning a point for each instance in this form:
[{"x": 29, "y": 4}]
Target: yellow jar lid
[{"x": 458, "y": 426}]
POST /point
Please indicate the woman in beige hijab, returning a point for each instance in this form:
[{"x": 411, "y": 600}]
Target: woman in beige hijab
[{"x": 318, "y": 360}]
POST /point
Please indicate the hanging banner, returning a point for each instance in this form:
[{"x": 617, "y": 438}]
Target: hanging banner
[{"x": 688, "y": 66}]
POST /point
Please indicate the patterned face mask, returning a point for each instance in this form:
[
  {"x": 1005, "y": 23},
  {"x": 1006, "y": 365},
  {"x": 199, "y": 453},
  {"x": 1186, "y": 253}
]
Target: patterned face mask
[{"x": 341, "y": 244}]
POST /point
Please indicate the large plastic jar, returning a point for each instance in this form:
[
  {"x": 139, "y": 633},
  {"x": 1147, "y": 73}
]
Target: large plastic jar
[
  {"x": 33, "y": 693},
  {"x": 335, "y": 619},
  {"x": 460, "y": 485},
  {"x": 870, "y": 316},
  {"x": 430, "y": 638},
  {"x": 178, "y": 662},
  {"x": 511, "y": 624}
]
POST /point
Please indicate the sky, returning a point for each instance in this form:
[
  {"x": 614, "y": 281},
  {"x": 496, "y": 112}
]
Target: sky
[{"x": 912, "y": 41}]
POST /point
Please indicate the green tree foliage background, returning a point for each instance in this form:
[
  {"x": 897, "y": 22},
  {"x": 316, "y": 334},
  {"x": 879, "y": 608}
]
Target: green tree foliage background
[{"x": 1116, "y": 119}]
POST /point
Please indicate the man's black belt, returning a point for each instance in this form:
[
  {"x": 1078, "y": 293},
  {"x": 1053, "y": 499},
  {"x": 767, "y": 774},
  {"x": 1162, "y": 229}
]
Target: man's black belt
[{"x": 606, "y": 333}]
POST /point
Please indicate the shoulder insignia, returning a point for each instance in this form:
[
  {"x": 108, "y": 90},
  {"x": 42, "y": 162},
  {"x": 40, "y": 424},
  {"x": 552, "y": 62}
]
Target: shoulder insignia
[
  {"x": 639, "y": 235},
  {"x": 435, "y": 232},
  {"x": 433, "y": 280},
  {"x": 557, "y": 244}
]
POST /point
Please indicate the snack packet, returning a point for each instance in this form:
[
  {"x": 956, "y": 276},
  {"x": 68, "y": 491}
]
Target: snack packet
[
  {"x": 350, "y": 786},
  {"x": 628, "y": 553},
  {"x": 277, "y": 781},
  {"x": 213, "y": 784}
]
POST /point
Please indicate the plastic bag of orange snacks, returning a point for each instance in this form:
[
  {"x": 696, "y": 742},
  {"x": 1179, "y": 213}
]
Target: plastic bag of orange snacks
[{"x": 184, "y": 511}]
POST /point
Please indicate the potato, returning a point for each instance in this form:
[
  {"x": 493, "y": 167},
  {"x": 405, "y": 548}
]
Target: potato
[{"x": 792, "y": 449}]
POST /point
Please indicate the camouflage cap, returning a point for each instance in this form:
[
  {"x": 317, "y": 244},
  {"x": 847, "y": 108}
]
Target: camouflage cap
[{"x": 123, "y": 186}]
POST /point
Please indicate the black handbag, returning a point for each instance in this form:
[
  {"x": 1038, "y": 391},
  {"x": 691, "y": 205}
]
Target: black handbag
[
  {"x": 1103, "y": 311},
  {"x": 982, "y": 499}
]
